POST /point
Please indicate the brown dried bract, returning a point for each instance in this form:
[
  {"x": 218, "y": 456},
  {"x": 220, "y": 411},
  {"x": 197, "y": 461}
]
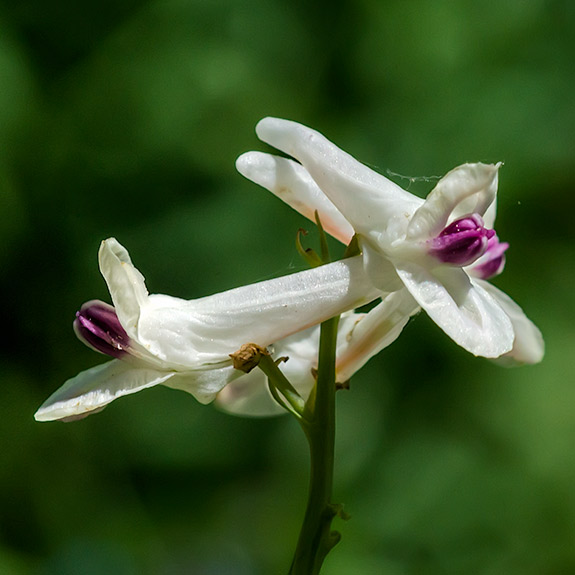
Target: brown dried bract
[{"x": 248, "y": 356}]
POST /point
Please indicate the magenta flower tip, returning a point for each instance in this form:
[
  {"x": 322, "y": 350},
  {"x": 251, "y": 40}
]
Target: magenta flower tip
[
  {"x": 462, "y": 242},
  {"x": 98, "y": 326}
]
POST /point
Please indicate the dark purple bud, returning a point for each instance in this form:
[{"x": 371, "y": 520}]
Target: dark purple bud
[
  {"x": 462, "y": 241},
  {"x": 493, "y": 260},
  {"x": 98, "y": 326}
]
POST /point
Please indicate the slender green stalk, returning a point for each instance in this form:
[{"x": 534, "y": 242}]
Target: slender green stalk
[
  {"x": 290, "y": 399},
  {"x": 316, "y": 538}
]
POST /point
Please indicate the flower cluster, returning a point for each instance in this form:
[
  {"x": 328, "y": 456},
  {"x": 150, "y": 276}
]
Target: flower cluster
[{"x": 434, "y": 254}]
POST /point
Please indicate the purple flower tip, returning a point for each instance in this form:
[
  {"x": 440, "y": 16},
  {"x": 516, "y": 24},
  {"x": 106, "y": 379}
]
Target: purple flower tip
[
  {"x": 98, "y": 326},
  {"x": 493, "y": 260},
  {"x": 461, "y": 242}
]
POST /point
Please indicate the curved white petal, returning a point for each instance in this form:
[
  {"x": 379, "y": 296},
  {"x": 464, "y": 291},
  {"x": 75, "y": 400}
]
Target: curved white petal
[
  {"x": 91, "y": 390},
  {"x": 365, "y": 335},
  {"x": 367, "y": 199},
  {"x": 490, "y": 215},
  {"x": 470, "y": 188},
  {"x": 528, "y": 346},
  {"x": 204, "y": 385},
  {"x": 125, "y": 282},
  {"x": 291, "y": 182},
  {"x": 462, "y": 309},
  {"x": 192, "y": 335}
]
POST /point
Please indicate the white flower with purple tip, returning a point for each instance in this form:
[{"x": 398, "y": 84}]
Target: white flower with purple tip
[
  {"x": 439, "y": 250},
  {"x": 157, "y": 339}
]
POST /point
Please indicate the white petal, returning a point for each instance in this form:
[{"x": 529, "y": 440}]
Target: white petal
[
  {"x": 367, "y": 199},
  {"x": 380, "y": 270},
  {"x": 528, "y": 346},
  {"x": 490, "y": 215},
  {"x": 125, "y": 282},
  {"x": 204, "y": 385},
  {"x": 191, "y": 335},
  {"x": 470, "y": 188},
  {"x": 365, "y": 335},
  {"x": 460, "y": 307},
  {"x": 290, "y": 182},
  {"x": 93, "y": 389}
]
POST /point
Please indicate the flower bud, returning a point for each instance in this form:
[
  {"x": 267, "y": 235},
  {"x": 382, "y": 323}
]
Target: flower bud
[
  {"x": 461, "y": 242},
  {"x": 98, "y": 326}
]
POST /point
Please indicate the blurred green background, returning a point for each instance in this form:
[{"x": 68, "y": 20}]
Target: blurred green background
[{"x": 124, "y": 118}]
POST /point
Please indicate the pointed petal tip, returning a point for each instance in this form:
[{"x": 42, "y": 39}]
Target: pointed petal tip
[
  {"x": 111, "y": 246},
  {"x": 65, "y": 411},
  {"x": 110, "y": 243}
]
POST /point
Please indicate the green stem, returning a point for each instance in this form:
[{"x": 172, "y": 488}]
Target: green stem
[
  {"x": 316, "y": 538},
  {"x": 291, "y": 400}
]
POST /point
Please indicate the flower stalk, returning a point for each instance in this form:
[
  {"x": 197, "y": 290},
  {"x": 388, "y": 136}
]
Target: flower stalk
[
  {"x": 280, "y": 387},
  {"x": 316, "y": 538}
]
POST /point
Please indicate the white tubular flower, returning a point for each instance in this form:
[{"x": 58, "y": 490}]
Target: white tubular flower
[
  {"x": 440, "y": 249},
  {"x": 360, "y": 337},
  {"x": 157, "y": 339}
]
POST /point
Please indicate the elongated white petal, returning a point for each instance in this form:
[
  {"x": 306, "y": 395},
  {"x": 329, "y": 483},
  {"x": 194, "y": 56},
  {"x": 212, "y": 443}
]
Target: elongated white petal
[
  {"x": 93, "y": 389},
  {"x": 125, "y": 282},
  {"x": 467, "y": 189},
  {"x": 291, "y": 182},
  {"x": 528, "y": 345},
  {"x": 372, "y": 332},
  {"x": 462, "y": 309},
  {"x": 205, "y": 331},
  {"x": 367, "y": 199}
]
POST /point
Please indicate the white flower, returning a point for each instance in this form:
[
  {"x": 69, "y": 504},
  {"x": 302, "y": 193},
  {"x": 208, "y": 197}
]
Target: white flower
[
  {"x": 360, "y": 337},
  {"x": 158, "y": 339},
  {"x": 440, "y": 249}
]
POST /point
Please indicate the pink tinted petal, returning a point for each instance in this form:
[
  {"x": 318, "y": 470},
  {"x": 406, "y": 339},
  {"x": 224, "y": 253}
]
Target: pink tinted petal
[
  {"x": 366, "y": 198},
  {"x": 290, "y": 182},
  {"x": 364, "y": 335}
]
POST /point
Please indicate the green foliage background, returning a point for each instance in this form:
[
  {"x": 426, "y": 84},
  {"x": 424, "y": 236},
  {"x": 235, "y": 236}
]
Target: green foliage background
[{"x": 124, "y": 118}]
